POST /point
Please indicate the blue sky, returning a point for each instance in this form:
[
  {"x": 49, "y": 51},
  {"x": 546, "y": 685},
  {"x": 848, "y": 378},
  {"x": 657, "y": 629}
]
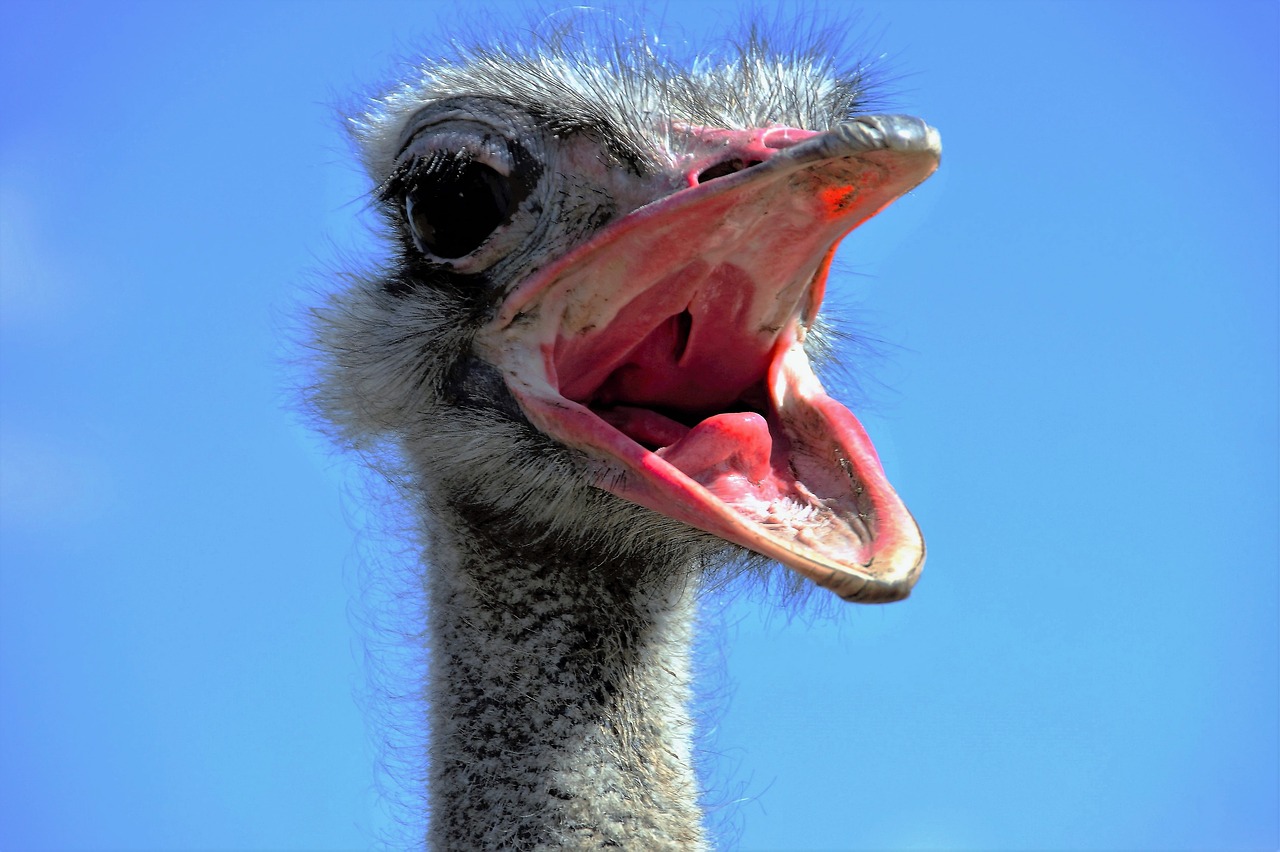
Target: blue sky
[{"x": 1077, "y": 397}]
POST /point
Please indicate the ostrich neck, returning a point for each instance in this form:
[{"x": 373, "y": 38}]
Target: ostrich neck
[{"x": 557, "y": 697}]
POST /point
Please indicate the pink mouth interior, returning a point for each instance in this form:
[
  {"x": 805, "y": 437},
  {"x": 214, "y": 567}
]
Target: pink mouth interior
[
  {"x": 683, "y": 344},
  {"x": 684, "y": 372}
]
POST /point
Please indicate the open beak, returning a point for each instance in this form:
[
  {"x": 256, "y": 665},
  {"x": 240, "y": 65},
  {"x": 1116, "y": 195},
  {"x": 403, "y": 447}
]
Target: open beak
[{"x": 670, "y": 350}]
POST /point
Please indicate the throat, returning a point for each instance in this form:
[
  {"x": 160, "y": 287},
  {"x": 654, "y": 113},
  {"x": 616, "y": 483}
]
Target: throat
[{"x": 557, "y": 701}]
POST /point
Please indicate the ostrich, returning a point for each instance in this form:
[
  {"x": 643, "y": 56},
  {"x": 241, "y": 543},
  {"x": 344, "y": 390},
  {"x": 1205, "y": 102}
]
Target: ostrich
[{"x": 586, "y": 365}]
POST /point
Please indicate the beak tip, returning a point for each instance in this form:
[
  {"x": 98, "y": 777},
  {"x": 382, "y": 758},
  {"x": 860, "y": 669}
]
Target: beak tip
[{"x": 895, "y": 132}]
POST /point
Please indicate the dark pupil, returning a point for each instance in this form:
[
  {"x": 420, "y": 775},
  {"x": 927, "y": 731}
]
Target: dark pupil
[{"x": 454, "y": 203}]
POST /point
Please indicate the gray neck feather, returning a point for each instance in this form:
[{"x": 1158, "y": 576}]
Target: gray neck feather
[{"x": 558, "y": 693}]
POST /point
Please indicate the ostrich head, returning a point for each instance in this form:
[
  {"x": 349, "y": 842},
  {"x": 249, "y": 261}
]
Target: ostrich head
[{"x": 594, "y": 329}]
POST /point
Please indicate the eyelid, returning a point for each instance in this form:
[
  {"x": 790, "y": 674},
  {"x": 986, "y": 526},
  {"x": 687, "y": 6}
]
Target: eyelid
[{"x": 482, "y": 146}]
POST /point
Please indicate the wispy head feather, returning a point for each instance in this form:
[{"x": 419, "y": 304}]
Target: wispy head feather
[{"x": 582, "y": 71}]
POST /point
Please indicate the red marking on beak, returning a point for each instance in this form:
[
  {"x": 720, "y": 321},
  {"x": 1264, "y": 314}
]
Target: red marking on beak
[{"x": 836, "y": 199}]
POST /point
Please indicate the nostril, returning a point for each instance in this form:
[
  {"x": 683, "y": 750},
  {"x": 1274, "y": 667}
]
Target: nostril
[{"x": 725, "y": 168}]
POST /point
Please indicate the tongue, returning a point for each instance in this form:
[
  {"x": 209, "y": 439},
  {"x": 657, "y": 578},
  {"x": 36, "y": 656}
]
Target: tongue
[{"x": 727, "y": 454}]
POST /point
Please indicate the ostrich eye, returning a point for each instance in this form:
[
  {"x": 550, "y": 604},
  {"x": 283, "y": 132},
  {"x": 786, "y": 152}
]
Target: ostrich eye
[{"x": 454, "y": 203}]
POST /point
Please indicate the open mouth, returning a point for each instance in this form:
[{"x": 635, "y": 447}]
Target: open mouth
[{"x": 670, "y": 349}]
